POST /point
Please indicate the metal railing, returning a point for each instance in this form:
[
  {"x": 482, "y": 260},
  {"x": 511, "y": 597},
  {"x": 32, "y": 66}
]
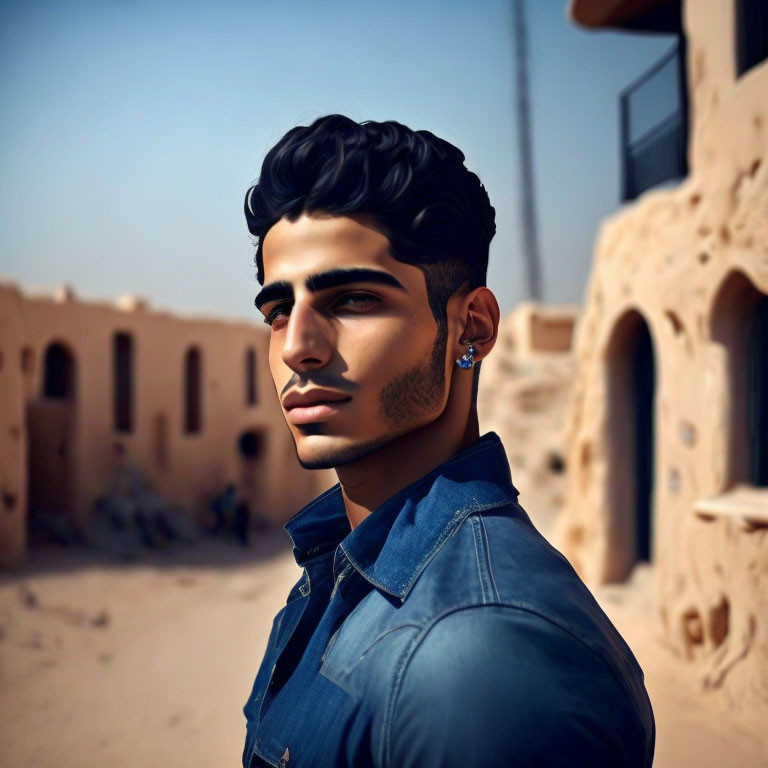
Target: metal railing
[{"x": 654, "y": 125}]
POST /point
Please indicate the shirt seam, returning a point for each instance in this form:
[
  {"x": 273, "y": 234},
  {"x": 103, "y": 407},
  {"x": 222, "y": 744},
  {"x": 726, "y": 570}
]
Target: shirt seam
[
  {"x": 473, "y": 523},
  {"x": 412, "y": 647},
  {"x": 484, "y": 531},
  {"x": 449, "y": 530}
]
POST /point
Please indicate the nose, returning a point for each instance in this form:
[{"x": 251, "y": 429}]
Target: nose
[{"x": 308, "y": 339}]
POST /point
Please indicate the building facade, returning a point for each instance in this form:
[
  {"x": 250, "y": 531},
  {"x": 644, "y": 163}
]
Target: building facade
[
  {"x": 667, "y": 432},
  {"x": 190, "y": 399}
]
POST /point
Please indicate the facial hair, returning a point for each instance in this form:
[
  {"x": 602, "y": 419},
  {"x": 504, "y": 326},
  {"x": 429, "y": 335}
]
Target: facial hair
[{"x": 407, "y": 399}]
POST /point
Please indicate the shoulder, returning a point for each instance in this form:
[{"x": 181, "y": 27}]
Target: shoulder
[
  {"x": 487, "y": 682},
  {"x": 498, "y": 557}
]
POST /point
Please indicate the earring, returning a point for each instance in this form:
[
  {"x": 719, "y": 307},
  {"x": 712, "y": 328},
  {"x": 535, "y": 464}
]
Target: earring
[{"x": 466, "y": 360}]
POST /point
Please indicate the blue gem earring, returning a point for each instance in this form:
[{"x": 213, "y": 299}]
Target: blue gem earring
[{"x": 466, "y": 360}]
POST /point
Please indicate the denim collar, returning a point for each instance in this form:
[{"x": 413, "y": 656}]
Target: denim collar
[{"x": 393, "y": 545}]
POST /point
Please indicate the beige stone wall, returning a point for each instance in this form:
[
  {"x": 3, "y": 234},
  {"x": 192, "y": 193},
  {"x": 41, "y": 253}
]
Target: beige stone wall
[
  {"x": 690, "y": 262},
  {"x": 197, "y": 465},
  {"x": 523, "y": 396}
]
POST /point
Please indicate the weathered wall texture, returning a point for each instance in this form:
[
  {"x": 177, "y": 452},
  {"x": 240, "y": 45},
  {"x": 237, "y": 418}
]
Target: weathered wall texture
[
  {"x": 523, "y": 396},
  {"x": 689, "y": 264},
  {"x": 68, "y": 442}
]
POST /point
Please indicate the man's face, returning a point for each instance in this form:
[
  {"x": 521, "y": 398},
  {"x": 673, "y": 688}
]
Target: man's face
[{"x": 348, "y": 319}]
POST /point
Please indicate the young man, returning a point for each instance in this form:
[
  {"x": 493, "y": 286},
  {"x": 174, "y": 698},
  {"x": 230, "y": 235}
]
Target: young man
[{"x": 432, "y": 625}]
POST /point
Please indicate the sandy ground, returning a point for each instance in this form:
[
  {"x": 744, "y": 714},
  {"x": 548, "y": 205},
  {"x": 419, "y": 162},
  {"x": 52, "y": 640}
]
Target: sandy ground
[{"x": 150, "y": 663}]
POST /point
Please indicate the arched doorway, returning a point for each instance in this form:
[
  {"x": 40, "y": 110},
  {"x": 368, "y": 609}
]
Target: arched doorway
[
  {"x": 631, "y": 370},
  {"x": 51, "y": 440}
]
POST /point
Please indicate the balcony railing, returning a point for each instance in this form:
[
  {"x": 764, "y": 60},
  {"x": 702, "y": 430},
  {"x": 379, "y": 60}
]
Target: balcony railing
[{"x": 654, "y": 125}]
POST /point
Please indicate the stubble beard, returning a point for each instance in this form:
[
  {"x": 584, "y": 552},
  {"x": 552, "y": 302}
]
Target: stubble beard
[{"x": 406, "y": 400}]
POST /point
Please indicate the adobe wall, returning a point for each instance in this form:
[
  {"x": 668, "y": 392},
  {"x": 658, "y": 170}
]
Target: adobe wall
[
  {"x": 523, "y": 397},
  {"x": 198, "y": 465},
  {"x": 685, "y": 260},
  {"x": 13, "y": 437}
]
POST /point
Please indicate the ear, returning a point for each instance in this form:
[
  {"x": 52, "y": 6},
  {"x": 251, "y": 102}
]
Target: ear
[{"x": 478, "y": 322}]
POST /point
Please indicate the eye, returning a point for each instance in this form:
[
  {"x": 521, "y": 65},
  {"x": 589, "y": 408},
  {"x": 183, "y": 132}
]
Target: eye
[
  {"x": 277, "y": 311},
  {"x": 356, "y": 301}
]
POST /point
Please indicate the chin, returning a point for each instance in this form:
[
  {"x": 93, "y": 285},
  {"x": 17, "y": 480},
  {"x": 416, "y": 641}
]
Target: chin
[{"x": 318, "y": 451}]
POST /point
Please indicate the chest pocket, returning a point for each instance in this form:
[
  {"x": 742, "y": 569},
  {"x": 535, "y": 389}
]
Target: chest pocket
[{"x": 362, "y": 642}]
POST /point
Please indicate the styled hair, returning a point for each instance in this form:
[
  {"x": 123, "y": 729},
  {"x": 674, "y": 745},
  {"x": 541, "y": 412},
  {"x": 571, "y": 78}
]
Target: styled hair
[{"x": 435, "y": 212}]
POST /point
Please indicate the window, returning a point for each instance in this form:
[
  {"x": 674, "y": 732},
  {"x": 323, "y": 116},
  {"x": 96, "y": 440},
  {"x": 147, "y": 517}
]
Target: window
[
  {"x": 122, "y": 364},
  {"x": 653, "y": 119},
  {"x": 193, "y": 391},
  {"x": 250, "y": 377},
  {"x": 58, "y": 380},
  {"x": 751, "y": 33},
  {"x": 739, "y": 323},
  {"x": 757, "y": 399}
]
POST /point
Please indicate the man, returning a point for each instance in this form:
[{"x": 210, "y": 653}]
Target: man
[{"x": 432, "y": 625}]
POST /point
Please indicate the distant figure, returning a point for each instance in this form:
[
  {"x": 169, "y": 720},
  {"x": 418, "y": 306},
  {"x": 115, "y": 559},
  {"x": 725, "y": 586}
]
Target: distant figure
[
  {"x": 241, "y": 525},
  {"x": 127, "y": 479},
  {"x": 133, "y": 505},
  {"x": 224, "y": 509}
]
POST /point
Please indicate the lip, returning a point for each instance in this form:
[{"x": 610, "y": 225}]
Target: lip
[
  {"x": 313, "y": 405},
  {"x": 312, "y": 397},
  {"x": 317, "y": 412}
]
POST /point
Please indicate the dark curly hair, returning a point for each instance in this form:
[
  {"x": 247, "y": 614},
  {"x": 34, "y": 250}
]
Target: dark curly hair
[{"x": 433, "y": 210}]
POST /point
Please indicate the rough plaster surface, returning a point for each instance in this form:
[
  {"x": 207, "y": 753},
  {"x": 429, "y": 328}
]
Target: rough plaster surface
[
  {"x": 686, "y": 260},
  {"x": 523, "y": 396}
]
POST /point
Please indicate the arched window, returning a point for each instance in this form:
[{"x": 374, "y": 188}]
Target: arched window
[
  {"x": 757, "y": 397},
  {"x": 122, "y": 378},
  {"x": 59, "y": 373},
  {"x": 251, "y": 395},
  {"x": 193, "y": 390},
  {"x": 739, "y": 322}
]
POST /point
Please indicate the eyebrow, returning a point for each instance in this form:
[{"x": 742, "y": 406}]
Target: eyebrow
[{"x": 322, "y": 281}]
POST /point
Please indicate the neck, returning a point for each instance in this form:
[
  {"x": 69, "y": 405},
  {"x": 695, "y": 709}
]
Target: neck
[{"x": 370, "y": 481}]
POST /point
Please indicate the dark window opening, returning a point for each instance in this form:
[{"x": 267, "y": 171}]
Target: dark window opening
[
  {"x": 757, "y": 396},
  {"x": 122, "y": 362},
  {"x": 250, "y": 377},
  {"x": 751, "y": 33},
  {"x": 58, "y": 379},
  {"x": 193, "y": 391},
  {"x": 739, "y": 323},
  {"x": 251, "y": 444}
]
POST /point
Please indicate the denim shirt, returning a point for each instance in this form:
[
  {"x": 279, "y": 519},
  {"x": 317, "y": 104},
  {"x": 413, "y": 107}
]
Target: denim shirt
[{"x": 443, "y": 631}]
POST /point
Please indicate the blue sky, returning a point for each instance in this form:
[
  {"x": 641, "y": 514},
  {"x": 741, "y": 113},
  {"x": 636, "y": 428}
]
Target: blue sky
[{"x": 131, "y": 131}]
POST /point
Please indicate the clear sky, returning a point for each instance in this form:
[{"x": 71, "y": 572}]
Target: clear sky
[{"x": 130, "y": 131}]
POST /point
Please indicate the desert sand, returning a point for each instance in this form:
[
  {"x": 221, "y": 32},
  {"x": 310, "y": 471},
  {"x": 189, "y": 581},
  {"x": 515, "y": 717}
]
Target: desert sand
[{"x": 149, "y": 663}]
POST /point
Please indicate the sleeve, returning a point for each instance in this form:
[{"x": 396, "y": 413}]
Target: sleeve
[{"x": 501, "y": 686}]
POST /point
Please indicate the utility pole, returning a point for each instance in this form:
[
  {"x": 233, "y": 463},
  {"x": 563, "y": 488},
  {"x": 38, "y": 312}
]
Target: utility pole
[{"x": 525, "y": 148}]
